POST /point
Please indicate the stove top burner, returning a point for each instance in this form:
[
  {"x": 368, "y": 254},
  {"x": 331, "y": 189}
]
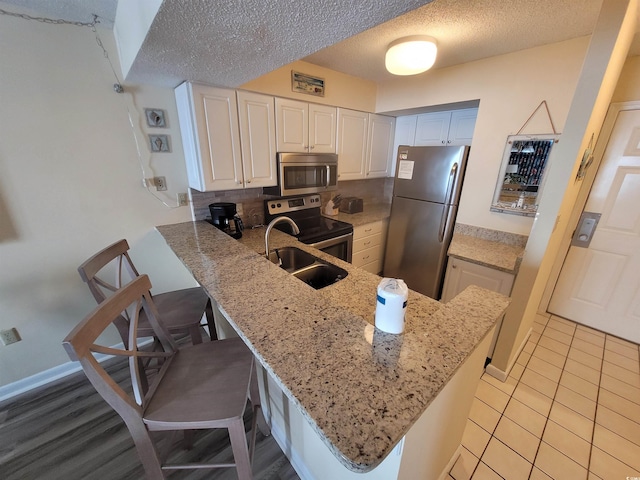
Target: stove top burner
[{"x": 306, "y": 212}]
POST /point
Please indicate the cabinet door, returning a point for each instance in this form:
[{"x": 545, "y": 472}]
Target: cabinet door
[
  {"x": 322, "y": 128},
  {"x": 292, "y": 125},
  {"x": 257, "y": 139},
  {"x": 460, "y": 274},
  {"x": 405, "y": 134},
  {"x": 462, "y": 125},
  {"x": 432, "y": 128},
  {"x": 352, "y": 144},
  {"x": 379, "y": 145},
  {"x": 210, "y": 135}
]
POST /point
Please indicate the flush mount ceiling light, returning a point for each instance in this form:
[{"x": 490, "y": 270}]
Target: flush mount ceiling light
[{"x": 411, "y": 55}]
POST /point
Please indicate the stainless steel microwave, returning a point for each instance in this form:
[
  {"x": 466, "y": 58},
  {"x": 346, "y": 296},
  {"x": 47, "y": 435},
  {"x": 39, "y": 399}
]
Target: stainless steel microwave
[{"x": 303, "y": 173}]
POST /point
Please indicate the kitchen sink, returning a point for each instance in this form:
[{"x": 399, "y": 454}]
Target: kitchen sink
[
  {"x": 320, "y": 275},
  {"x": 307, "y": 267},
  {"x": 291, "y": 258}
]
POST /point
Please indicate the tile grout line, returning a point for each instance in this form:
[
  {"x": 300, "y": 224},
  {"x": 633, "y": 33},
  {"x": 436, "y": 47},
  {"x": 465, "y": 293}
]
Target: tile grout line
[
  {"x": 595, "y": 413},
  {"x": 566, "y": 357},
  {"x": 505, "y": 408}
]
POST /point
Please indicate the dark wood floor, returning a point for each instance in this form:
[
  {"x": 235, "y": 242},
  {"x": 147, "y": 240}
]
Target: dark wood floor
[{"x": 66, "y": 431}]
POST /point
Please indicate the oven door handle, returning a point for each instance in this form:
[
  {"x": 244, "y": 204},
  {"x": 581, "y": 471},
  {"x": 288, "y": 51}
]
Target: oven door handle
[{"x": 330, "y": 241}]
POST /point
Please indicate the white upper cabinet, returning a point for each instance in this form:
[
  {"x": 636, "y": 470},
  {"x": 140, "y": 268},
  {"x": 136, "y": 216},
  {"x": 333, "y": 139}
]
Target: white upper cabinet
[
  {"x": 446, "y": 128},
  {"x": 304, "y": 127},
  {"x": 463, "y": 122},
  {"x": 257, "y": 139},
  {"x": 379, "y": 145},
  {"x": 432, "y": 128},
  {"x": 405, "y": 134},
  {"x": 365, "y": 144},
  {"x": 322, "y": 128},
  {"x": 352, "y": 144},
  {"x": 210, "y": 136}
]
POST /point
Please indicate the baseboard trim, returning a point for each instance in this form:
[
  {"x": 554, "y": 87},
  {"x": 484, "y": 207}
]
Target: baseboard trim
[
  {"x": 501, "y": 374},
  {"x": 452, "y": 461},
  {"x": 40, "y": 379}
]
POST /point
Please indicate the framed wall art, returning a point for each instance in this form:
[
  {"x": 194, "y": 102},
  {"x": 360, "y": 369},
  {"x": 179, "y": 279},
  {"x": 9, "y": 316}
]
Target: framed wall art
[
  {"x": 522, "y": 174},
  {"x": 159, "y": 143},
  {"x": 155, "y": 117},
  {"x": 303, "y": 83}
]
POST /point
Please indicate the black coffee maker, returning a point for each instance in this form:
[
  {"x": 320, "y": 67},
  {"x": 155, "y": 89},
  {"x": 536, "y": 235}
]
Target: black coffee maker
[{"x": 224, "y": 217}]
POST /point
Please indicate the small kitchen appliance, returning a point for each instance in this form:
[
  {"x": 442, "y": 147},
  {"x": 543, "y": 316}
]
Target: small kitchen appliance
[
  {"x": 331, "y": 236},
  {"x": 351, "y": 205},
  {"x": 305, "y": 173},
  {"x": 224, "y": 216}
]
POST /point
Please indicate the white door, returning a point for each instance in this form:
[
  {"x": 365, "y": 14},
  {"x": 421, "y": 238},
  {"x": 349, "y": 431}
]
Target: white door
[
  {"x": 352, "y": 144},
  {"x": 432, "y": 128},
  {"x": 380, "y": 145},
  {"x": 322, "y": 128},
  {"x": 463, "y": 122},
  {"x": 599, "y": 286},
  {"x": 257, "y": 139},
  {"x": 292, "y": 125}
]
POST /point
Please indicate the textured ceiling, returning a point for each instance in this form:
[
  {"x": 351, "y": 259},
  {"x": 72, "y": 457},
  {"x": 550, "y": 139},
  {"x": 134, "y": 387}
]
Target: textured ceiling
[
  {"x": 465, "y": 31},
  {"x": 228, "y": 43}
]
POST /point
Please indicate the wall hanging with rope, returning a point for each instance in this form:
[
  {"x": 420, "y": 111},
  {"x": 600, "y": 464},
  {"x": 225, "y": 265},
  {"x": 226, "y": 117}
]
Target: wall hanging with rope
[{"x": 522, "y": 174}]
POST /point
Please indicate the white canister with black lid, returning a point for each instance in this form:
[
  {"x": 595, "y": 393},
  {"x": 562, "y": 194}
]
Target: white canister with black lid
[{"x": 391, "y": 305}]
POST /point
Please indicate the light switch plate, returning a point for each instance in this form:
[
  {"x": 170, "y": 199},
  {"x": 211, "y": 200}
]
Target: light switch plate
[{"x": 7, "y": 337}]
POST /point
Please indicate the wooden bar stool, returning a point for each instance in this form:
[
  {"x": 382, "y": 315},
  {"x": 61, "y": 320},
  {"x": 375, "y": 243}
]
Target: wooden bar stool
[
  {"x": 201, "y": 386},
  {"x": 180, "y": 311}
]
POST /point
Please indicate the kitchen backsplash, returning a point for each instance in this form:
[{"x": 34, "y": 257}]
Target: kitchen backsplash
[{"x": 377, "y": 190}]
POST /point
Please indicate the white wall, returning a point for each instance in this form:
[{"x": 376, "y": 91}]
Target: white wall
[
  {"x": 509, "y": 88},
  {"x": 71, "y": 184},
  {"x": 341, "y": 90}
]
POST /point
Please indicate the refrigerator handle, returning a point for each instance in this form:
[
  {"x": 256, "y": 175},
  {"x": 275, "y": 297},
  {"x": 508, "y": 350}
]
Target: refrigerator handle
[{"x": 445, "y": 213}]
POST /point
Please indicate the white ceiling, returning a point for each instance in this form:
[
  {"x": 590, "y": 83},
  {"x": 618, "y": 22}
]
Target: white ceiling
[{"x": 230, "y": 43}]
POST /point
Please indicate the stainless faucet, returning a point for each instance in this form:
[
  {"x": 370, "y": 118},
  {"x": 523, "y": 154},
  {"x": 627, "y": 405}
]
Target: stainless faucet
[{"x": 295, "y": 228}]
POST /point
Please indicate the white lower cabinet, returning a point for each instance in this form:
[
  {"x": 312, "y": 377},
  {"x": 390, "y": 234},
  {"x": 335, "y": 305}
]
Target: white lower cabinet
[
  {"x": 368, "y": 246},
  {"x": 460, "y": 274}
]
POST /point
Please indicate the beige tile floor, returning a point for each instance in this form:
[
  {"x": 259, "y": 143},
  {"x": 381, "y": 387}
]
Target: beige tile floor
[{"x": 570, "y": 410}]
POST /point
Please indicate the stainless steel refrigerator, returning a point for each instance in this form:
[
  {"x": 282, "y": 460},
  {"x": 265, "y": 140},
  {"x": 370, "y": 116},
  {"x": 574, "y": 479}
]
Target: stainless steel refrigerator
[{"x": 426, "y": 192}]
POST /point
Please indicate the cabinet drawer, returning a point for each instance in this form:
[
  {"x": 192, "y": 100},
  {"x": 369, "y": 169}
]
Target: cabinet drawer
[
  {"x": 373, "y": 267},
  {"x": 367, "y": 229},
  {"x": 366, "y": 256},
  {"x": 367, "y": 242}
]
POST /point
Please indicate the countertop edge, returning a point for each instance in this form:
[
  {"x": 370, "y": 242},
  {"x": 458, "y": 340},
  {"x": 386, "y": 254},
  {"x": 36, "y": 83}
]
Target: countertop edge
[{"x": 483, "y": 306}]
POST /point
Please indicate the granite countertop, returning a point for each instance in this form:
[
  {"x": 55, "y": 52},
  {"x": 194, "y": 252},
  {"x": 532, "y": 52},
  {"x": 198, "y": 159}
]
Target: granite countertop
[
  {"x": 371, "y": 212},
  {"x": 360, "y": 389},
  {"x": 493, "y": 254}
]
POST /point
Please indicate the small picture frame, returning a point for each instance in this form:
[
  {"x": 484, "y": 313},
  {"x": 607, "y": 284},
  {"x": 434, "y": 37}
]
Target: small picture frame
[
  {"x": 303, "y": 83},
  {"x": 155, "y": 117},
  {"x": 159, "y": 143}
]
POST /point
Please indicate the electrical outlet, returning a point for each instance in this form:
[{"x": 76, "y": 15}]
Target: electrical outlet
[
  {"x": 160, "y": 183},
  {"x": 183, "y": 199},
  {"x": 239, "y": 209},
  {"x": 7, "y": 337}
]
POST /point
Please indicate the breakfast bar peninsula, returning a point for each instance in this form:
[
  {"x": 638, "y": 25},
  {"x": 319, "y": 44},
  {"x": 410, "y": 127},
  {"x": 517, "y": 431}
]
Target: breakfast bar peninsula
[{"x": 344, "y": 399}]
